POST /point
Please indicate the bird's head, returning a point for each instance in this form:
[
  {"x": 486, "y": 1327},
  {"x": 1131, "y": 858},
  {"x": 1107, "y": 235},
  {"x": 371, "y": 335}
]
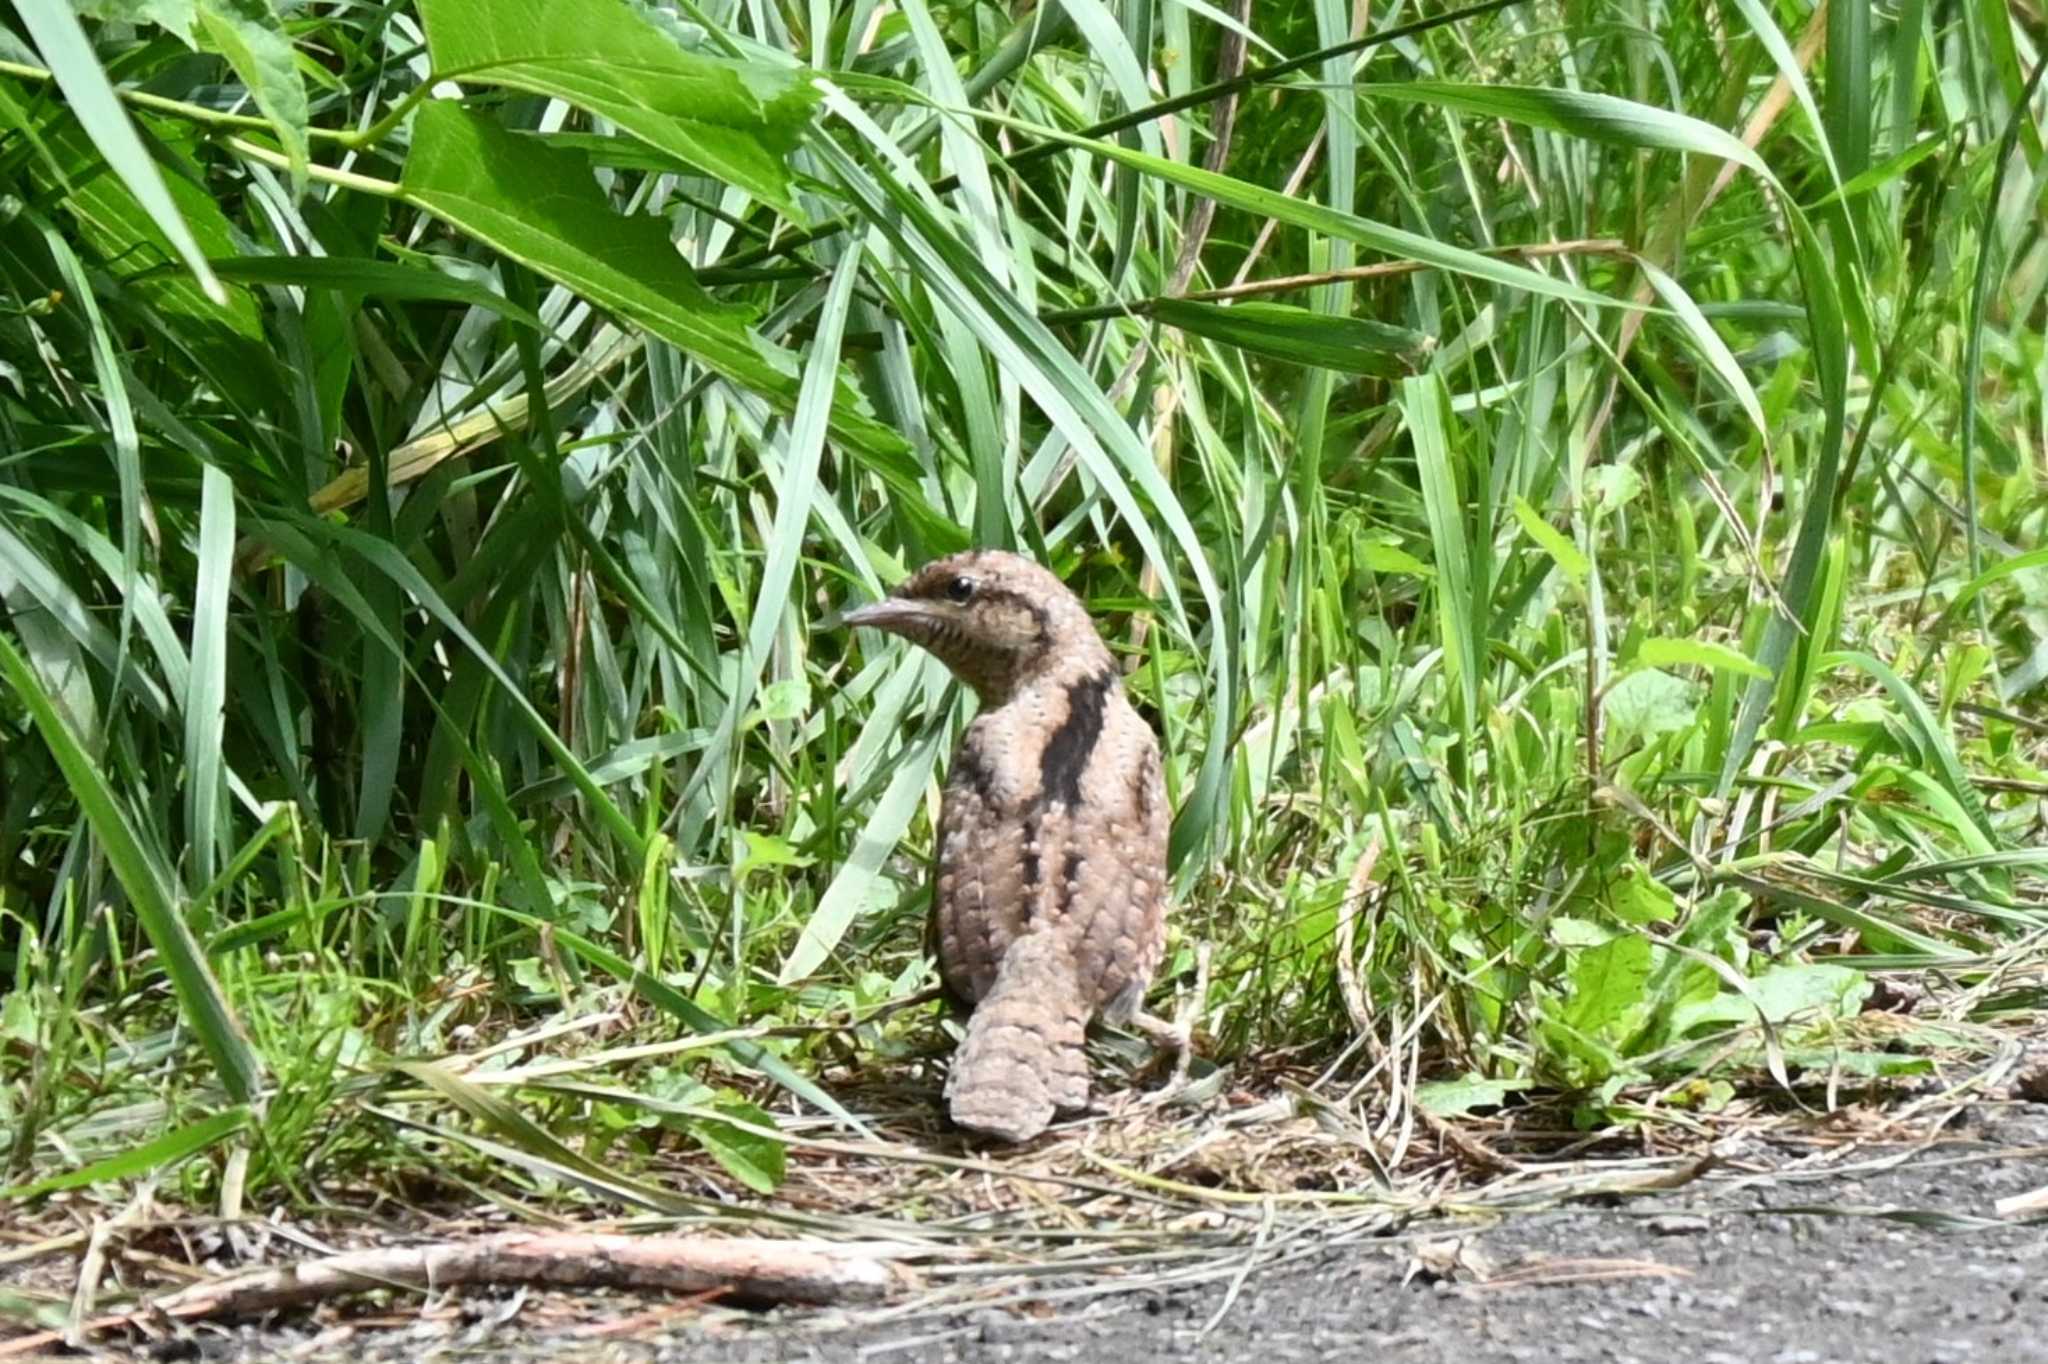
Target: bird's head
[{"x": 995, "y": 619}]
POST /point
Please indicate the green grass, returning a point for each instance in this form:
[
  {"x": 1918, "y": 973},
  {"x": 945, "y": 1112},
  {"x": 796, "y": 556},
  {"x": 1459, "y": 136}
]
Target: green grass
[{"x": 1593, "y": 606}]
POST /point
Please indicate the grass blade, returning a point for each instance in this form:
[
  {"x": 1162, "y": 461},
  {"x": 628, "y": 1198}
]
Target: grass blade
[
  {"x": 54, "y": 28},
  {"x": 148, "y": 883}
]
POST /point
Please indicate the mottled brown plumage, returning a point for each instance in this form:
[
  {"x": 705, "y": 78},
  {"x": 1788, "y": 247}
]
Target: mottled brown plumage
[{"x": 1050, "y": 902}]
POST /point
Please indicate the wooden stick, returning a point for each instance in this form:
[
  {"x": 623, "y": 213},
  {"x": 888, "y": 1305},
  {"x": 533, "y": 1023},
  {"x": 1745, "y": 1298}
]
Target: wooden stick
[{"x": 749, "y": 1271}]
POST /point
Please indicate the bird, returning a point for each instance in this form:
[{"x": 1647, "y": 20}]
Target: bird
[{"x": 1050, "y": 893}]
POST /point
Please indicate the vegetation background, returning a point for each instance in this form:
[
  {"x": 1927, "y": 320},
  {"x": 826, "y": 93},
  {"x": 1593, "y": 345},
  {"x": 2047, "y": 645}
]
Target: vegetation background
[{"x": 1567, "y": 479}]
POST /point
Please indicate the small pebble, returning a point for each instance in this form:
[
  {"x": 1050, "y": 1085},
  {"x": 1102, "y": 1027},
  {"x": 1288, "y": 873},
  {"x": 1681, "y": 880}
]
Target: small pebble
[{"x": 1679, "y": 1224}]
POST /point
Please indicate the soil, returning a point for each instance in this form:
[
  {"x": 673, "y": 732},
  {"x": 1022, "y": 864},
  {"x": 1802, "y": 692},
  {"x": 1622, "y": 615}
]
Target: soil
[{"x": 1894, "y": 1256}]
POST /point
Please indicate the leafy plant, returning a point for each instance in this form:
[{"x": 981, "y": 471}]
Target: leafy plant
[{"x": 1592, "y": 463}]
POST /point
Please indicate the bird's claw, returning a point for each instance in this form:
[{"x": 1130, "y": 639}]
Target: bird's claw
[{"x": 1178, "y": 1035}]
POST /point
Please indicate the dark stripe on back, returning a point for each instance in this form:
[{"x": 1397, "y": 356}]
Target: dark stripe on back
[{"x": 1073, "y": 743}]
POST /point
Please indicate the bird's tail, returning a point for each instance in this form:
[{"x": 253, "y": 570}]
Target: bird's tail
[{"x": 1022, "y": 1060}]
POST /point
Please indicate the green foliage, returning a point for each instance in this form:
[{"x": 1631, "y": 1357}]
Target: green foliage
[{"x": 436, "y": 438}]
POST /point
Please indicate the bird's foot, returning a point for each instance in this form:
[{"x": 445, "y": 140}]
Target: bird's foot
[{"x": 1179, "y": 1034}]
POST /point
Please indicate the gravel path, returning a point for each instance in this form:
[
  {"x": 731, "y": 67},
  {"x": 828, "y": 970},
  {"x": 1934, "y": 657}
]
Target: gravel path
[{"x": 1905, "y": 1265}]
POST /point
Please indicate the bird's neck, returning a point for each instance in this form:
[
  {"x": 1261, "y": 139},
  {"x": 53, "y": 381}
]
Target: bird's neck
[{"x": 1079, "y": 662}]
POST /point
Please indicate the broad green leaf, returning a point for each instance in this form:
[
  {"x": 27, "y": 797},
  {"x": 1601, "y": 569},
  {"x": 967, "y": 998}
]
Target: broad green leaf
[
  {"x": 1610, "y": 487},
  {"x": 249, "y": 34},
  {"x": 766, "y": 850},
  {"x": 174, "y": 16},
  {"x": 1351, "y": 345},
  {"x": 1454, "y": 1098},
  {"x": 1647, "y": 703},
  {"x": 737, "y": 122},
  {"x": 1698, "y": 653},
  {"x": 1640, "y": 898},
  {"x": 1554, "y": 542},
  {"x": 787, "y": 698},
  {"x": 1607, "y": 983},
  {"x": 539, "y": 205},
  {"x": 1808, "y": 993},
  {"x": 1381, "y": 557},
  {"x": 756, "y": 1161},
  {"x": 1567, "y": 930}
]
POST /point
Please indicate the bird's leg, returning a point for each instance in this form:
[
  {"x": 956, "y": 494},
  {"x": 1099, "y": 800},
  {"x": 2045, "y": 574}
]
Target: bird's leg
[{"x": 1179, "y": 1034}]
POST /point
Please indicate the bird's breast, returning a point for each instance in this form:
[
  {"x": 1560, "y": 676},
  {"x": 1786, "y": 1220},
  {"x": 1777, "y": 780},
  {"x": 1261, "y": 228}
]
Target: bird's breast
[{"x": 1052, "y": 824}]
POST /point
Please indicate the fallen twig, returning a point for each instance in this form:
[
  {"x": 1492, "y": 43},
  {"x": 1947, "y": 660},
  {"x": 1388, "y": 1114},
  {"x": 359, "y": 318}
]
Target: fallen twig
[
  {"x": 749, "y": 1271},
  {"x": 2023, "y": 1205}
]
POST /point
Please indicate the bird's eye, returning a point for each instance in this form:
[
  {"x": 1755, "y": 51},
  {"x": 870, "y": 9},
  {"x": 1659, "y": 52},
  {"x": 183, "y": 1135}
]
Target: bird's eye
[{"x": 960, "y": 589}]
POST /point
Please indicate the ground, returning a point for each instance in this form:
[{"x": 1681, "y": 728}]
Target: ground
[{"x": 1794, "y": 1248}]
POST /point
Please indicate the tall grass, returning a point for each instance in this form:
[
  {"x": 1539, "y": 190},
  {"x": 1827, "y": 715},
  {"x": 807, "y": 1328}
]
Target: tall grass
[{"x": 1592, "y": 456}]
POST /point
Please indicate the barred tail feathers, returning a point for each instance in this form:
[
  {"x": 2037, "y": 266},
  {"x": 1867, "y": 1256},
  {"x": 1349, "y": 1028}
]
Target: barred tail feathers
[{"x": 1022, "y": 1060}]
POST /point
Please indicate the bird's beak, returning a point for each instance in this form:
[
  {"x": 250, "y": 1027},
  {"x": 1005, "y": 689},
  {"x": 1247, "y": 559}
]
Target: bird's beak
[{"x": 893, "y": 614}]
